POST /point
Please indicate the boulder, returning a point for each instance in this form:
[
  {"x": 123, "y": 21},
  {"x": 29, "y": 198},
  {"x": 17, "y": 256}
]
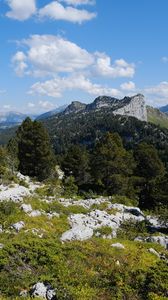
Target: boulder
[
  {"x": 153, "y": 251},
  {"x": 162, "y": 240},
  {"x": 1, "y": 246},
  {"x": 43, "y": 291},
  {"x": 26, "y": 208},
  {"x": 79, "y": 233},
  {"x": 18, "y": 226},
  {"x": 118, "y": 246},
  {"x": 35, "y": 213}
]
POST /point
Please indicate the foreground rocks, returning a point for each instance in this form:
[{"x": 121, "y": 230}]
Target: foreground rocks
[
  {"x": 83, "y": 225},
  {"x": 160, "y": 239},
  {"x": 40, "y": 290}
]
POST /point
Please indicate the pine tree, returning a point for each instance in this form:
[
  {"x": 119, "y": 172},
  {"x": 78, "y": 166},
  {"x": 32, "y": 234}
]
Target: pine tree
[
  {"x": 76, "y": 163},
  {"x": 112, "y": 165},
  {"x": 150, "y": 170},
  {"x": 34, "y": 150}
]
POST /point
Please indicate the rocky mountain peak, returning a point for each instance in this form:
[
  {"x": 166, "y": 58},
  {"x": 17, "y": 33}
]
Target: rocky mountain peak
[
  {"x": 75, "y": 107},
  {"x": 130, "y": 106}
]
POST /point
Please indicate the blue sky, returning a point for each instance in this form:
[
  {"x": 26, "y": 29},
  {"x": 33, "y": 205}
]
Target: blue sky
[{"x": 54, "y": 52}]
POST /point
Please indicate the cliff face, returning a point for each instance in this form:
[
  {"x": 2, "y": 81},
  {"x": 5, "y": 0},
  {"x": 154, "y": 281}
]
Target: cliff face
[
  {"x": 129, "y": 106},
  {"x": 133, "y": 106}
]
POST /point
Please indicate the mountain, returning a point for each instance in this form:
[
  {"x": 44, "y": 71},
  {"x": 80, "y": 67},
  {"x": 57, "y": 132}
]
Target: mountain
[
  {"x": 128, "y": 106},
  {"x": 10, "y": 119},
  {"x": 51, "y": 113},
  {"x": 157, "y": 117},
  {"x": 164, "y": 109},
  {"x": 86, "y": 127}
]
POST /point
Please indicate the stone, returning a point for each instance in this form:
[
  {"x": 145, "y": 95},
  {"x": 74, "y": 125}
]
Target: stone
[
  {"x": 23, "y": 294},
  {"x": 79, "y": 233},
  {"x": 1, "y": 246},
  {"x": 118, "y": 245},
  {"x": 51, "y": 294},
  {"x": 162, "y": 240},
  {"x": 51, "y": 215},
  {"x": 39, "y": 290},
  {"x": 18, "y": 226},
  {"x": 1, "y": 228},
  {"x": 35, "y": 213},
  {"x": 43, "y": 291},
  {"x": 26, "y": 208},
  {"x": 153, "y": 251},
  {"x": 15, "y": 193}
]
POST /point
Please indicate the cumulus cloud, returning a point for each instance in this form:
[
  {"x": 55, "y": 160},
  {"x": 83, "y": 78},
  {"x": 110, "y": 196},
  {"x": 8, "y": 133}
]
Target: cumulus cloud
[
  {"x": 21, "y": 9},
  {"x": 57, "y": 11},
  {"x": 55, "y": 87},
  {"x": 46, "y": 104},
  {"x": 78, "y": 2},
  {"x": 49, "y": 55},
  {"x": 68, "y": 66},
  {"x": 157, "y": 95},
  {"x": 128, "y": 86},
  {"x": 19, "y": 63},
  {"x": 120, "y": 68},
  {"x": 31, "y": 105},
  {"x": 160, "y": 90}
]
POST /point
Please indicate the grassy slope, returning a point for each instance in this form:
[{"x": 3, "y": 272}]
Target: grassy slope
[
  {"x": 157, "y": 117},
  {"x": 86, "y": 270}
]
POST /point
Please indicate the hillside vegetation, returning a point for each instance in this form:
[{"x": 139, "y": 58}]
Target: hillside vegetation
[{"x": 70, "y": 226}]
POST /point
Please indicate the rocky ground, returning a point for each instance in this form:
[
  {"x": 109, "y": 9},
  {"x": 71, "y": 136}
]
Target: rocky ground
[{"x": 73, "y": 220}]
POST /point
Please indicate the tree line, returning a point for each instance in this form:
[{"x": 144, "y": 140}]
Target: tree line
[{"x": 107, "y": 169}]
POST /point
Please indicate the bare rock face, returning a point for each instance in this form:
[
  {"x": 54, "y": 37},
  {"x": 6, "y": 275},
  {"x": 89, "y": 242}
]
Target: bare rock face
[
  {"x": 134, "y": 106},
  {"x": 128, "y": 106}
]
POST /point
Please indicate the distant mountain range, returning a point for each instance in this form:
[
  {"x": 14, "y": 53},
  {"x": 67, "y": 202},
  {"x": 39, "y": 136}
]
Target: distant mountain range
[
  {"x": 51, "y": 113},
  {"x": 128, "y": 106},
  {"x": 164, "y": 109},
  {"x": 10, "y": 119}
]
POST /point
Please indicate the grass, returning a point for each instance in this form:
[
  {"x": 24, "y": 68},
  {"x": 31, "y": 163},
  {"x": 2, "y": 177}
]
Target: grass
[{"x": 89, "y": 270}]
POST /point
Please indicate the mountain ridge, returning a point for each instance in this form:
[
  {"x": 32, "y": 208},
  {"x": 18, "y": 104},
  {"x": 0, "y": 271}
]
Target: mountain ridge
[{"x": 130, "y": 106}]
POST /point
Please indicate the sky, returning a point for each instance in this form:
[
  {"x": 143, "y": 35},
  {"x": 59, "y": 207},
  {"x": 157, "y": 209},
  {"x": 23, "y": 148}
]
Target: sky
[{"x": 56, "y": 52}]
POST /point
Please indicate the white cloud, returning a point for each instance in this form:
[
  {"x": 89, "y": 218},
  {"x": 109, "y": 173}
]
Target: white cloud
[
  {"x": 31, "y": 105},
  {"x": 19, "y": 63},
  {"x": 128, "y": 86},
  {"x": 49, "y": 55},
  {"x": 55, "y": 87},
  {"x": 21, "y": 9},
  {"x": 120, "y": 68},
  {"x": 57, "y": 11},
  {"x": 157, "y": 95},
  {"x": 7, "y": 106},
  {"x": 46, "y": 104},
  {"x": 78, "y": 2},
  {"x": 160, "y": 90},
  {"x": 67, "y": 67}
]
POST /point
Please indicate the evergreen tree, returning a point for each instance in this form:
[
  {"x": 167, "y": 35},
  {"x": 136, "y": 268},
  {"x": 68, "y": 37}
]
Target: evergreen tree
[
  {"x": 76, "y": 163},
  {"x": 112, "y": 165},
  {"x": 150, "y": 170},
  {"x": 34, "y": 150}
]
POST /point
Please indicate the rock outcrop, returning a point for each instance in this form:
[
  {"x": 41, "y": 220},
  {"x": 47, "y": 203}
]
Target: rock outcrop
[{"x": 128, "y": 106}]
